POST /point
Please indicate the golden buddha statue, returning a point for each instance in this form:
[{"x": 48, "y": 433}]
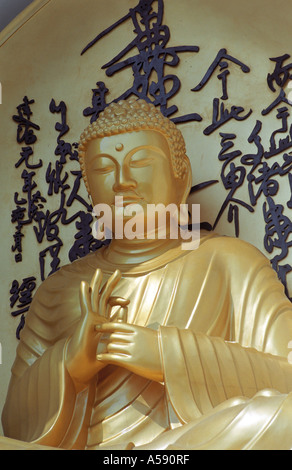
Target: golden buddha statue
[{"x": 143, "y": 345}]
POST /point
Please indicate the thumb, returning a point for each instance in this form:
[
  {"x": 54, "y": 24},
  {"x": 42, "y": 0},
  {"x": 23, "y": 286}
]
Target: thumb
[
  {"x": 122, "y": 315},
  {"x": 114, "y": 302}
]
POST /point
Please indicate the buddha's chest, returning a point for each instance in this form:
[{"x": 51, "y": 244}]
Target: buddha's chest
[{"x": 176, "y": 296}]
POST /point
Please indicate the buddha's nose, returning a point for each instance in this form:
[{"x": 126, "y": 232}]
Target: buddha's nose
[{"x": 123, "y": 180}]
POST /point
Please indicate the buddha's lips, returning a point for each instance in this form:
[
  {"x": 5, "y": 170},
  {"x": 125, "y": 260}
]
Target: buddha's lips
[{"x": 121, "y": 201}]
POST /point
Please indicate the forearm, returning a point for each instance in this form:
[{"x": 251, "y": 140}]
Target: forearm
[
  {"x": 247, "y": 370},
  {"x": 214, "y": 370}
]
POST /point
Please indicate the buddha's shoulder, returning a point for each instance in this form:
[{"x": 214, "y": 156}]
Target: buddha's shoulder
[
  {"x": 230, "y": 248},
  {"x": 221, "y": 249},
  {"x": 71, "y": 274}
]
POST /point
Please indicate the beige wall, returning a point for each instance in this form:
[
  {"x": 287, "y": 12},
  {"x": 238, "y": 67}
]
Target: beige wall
[
  {"x": 40, "y": 57},
  {"x": 9, "y": 10}
]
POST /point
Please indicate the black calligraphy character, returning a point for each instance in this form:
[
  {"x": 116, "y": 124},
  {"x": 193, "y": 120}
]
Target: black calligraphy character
[
  {"x": 63, "y": 148},
  {"x": 221, "y": 62},
  {"x": 17, "y": 217},
  {"x": 25, "y": 154},
  {"x": 75, "y": 192},
  {"x": 61, "y": 127},
  {"x": 55, "y": 180},
  {"x": 254, "y": 159},
  {"x": 17, "y": 245},
  {"x": 28, "y": 187},
  {"x": 25, "y": 127},
  {"x": 278, "y": 232},
  {"x": 279, "y": 76},
  {"x": 22, "y": 294},
  {"x": 232, "y": 179},
  {"x": 284, "y": 143},
  {"x": 277, "y": 102},
  {"x": 52, "y": 232},
  {"x": 53, "y": 251},
  {"x": 98, "y": 101},
  {"x": 221, "y": 114},
  {"x": 150, "y": 82},
  {"x": 85, "y": 242},
  {"x": 281, "y": 73},
  {"x": 267, "y": 185},
  {"x": 35, "y": 204}
]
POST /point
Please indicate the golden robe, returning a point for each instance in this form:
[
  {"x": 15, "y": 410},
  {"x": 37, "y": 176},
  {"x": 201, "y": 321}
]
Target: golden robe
[{"x": 224, "y": 325}]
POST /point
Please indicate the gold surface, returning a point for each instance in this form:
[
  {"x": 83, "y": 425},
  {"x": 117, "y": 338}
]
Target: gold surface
[
  {"x": 197, "y": 359},
  {"x": 40, "y": 58}
]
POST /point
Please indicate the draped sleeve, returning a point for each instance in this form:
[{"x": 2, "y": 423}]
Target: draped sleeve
[
  {"x": 214, "y": 371},
  {"x": 42, "y": 403}
]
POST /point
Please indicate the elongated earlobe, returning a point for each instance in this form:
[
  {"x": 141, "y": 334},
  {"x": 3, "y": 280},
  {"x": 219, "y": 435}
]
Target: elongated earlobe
[{"x": 185, "y": 183}]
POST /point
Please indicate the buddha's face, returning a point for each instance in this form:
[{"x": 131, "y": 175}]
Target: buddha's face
[{"x": 134, "y": 165}]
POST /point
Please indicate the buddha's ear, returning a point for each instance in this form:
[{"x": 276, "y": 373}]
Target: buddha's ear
[{"x": 185, "y": 182}]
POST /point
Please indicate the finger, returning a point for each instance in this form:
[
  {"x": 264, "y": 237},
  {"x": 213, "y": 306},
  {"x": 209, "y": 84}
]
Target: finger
[
  {"x": 95, "y": 288},
  {"x": 85, "y": 300},
  {"x": 114, "y": 301},
  {"x": 121, "y": 316},
  {"x": 117, "y": 338},
  {"x": 115, "y": 359},
  {"x": 114, "y": 327},
  {"x": 116, "y": 273},
  {"x": 108, "y": 289},
  {"x": 118, "y": 348}
]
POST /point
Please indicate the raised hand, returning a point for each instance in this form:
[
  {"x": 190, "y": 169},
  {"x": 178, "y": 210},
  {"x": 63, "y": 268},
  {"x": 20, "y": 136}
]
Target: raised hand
[{"x": 96, "y": 304}]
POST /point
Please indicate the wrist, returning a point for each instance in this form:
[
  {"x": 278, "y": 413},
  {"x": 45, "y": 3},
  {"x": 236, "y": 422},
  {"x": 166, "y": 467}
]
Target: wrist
[{"x": 80, "y": 367}]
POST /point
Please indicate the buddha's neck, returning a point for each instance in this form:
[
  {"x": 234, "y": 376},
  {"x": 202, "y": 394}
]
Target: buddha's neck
[{"x": 137, "y": 251}]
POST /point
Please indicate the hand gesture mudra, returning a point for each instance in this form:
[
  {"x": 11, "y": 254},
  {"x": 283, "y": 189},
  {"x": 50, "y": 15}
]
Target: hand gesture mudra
[
  {"x": 96, "y": 302},
  {"x": 100, "y": 339}
]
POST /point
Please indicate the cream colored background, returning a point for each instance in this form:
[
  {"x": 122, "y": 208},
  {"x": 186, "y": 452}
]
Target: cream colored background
[{"x": 40, "y": 57}]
